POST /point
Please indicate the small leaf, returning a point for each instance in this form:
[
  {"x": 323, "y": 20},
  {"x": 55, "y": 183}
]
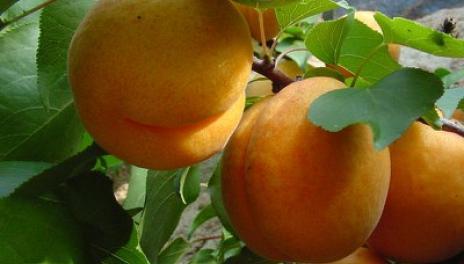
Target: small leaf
[
  {"x": 36, "y": 230},
  {"x": 214, "y": 189},
  {"x": 248, "y": 257},
  {"x": 204, "y": 256},
  {"x": 137, "y": 188},
  {"x": 324, "y": 71},
  {"x": 52, "y": 177},
  {"x": 204, "y": 215},
  {"x": 173, "y": 252},
  {"x": 433, "y": 119},
  {"x": 290, "y": 14},
  {"x": 450, "y": 101},
  {"x": 229, "y": 247},
  {"x": 15, "y": 173},
  {"x": 190, "y": 185},
  {"x": 105, "y": 225},
  {"x": 452, "y": 78},
  {"x": 389, "y": 106},
  {"x": 163, "y": 208},
  {"x": 130, "y": 253},
  {"x": 412, "y": 34}
]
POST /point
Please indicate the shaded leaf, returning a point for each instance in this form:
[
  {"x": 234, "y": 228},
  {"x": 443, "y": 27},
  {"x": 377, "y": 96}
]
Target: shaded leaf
[
  {"x": 452, "y": 78},
  {"x": 248, "y": 257},
  {"x": 105, "y": 225},
  {"x": 204, "y": 215},
  {"x": 173, "y": 252},
  {"x": 15, "y": 173},
  {"x": 214, "y": 189},
  {"x": 137, "y": 188},
  {"x": 412, "y": 34},
  {"x": 190, "y": 184},
  {"x": 34, "y": 230},
  {"x": 52, "y": 177},
  {"x": 204, "y": 256},
  {"x": 163, "y": 208},
  {"x": 129, "y": 253},
  {"x": 389, "y": 106}
]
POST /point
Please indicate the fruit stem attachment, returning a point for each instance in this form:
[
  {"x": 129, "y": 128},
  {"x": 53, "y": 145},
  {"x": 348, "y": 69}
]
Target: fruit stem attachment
[
  {"x": 266, "y": 53},
  {"x": 452, "y": 126},
  {"x": 267, "y": 68},
  {"x": 3, "y": 24}
]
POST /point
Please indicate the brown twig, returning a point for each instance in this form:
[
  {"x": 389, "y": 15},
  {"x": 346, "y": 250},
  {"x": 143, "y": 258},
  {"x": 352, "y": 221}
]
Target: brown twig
[
  {"x": 267, "y": 68},
  {"x": 203, "y": 239},
  {"x": 453, "y": 126}
]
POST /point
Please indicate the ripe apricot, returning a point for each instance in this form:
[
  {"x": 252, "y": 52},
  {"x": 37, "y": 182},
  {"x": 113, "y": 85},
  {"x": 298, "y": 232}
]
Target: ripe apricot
[
  {"x": 271, "y": 26},
  {"x": 161, "y": 63},
  {"x": 295, "y": 192},
  {"x": 458, "y": 115},
  {"x": 423, "y": 221}
]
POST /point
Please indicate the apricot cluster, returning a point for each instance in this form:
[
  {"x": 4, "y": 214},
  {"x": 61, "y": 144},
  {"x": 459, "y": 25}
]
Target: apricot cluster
[{"x": 161, "y": 84}]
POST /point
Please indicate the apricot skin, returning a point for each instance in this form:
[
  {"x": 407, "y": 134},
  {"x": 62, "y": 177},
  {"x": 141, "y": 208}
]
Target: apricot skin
[
  {"x": 361, "y": 256},
  {"x": 311, "y": 195},
  {"x": 423, "y": 221},
  {"x": 271, "y": 26},
  {"x": 150, "y": 57}
]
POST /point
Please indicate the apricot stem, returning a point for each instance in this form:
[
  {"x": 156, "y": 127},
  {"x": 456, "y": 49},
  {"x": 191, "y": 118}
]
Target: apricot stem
[{"x": 267, "y": 68}]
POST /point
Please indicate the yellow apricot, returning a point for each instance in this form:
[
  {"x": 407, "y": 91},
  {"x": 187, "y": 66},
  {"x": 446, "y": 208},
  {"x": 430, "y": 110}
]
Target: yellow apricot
[
  {"x": 458, "y": 115},
  {"x": 423, "y": 221},
  {"x": 271, "y": 26},
  {"x": 367, "y": 17},
  {"x": 158, "y": 147},
  {"x": 161, "y": 63},
  {"x": 307, "y": 195},
  {"x": 361, "y": 256},
  {"x": 261, "y": 86}
]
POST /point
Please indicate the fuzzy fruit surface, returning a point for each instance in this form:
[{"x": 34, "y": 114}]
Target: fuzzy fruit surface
[
  {"x": 361, "y": 256},
  {"x": 271, "y": 26},
  {"x": 284, "y": 179},
  {"x": 161, "y": 63},
  {"x": 423, "y": 221}
]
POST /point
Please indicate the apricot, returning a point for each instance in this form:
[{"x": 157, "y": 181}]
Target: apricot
[
  {"x": 295, "y": 192},
  {"x": 423, "y": 221},
  {"x": 158, "y": 147},
  {"x": 361, "y": 256},
  {"x": 367, "y": 17},
  {"x": 161, "y": 63},
  {"x": 458, "y": 115},
  {"x": 271, "y": 26},
  {"x": 263, "y": 87}
]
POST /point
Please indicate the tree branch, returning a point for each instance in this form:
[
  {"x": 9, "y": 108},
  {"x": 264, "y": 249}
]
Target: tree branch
[
  {"x": 280, "y": 81},
  {"x": 267, "y": 68}
]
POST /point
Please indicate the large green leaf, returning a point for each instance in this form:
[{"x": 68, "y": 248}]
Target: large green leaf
[
  {"x": 15, "y": 173},
  {"x": 202, "y": 217},
  {"x": 107, "y": 228},
  {"x": 412, "y": 34},
  {"x": 163, "y": 208},
  {"x": 174, "y": 251},
  {"x": 389, "y": 106},
  {"x": 5, "y": 4},
  {"x": 57, "y": 23},
  {"x": 353, "y": 45},
  {"x": 39, "y": 231},
  {"x": 129, "y": 253},
  {"x": 27, "y": 130},
  {"x": 288, "y": 15}
]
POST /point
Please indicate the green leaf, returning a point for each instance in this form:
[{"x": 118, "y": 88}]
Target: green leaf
[
  {"x": 15, "y": 173},
  {"x": 137, "y": 188},
  {"x": 450, "y": 101},
  {"x": 325, "y": 40},
  {"x": 324, "y": 71},
  {"x": 389, "y": 106},
  {"x": 163, "y": 208},
  {"x": 57, "y": 23},
  {"x": 204, "y": 215},
  {"x": 190, "y": 184},
  {"x": 412, "y": 34},
  {"x": 339, "y": 43},
  {"x": 204, "y": 256},
  {"x": 130, "y": 253},
  {"x": 248, "y": 257},
  {"x": 267, "y": 3},
  {"x": 174, "y": 251},
  {"x": 27, "y": 130},
  {"x": 433, "y": 119},
  {"x": 39, "y": 231},
  {"x": 5, "y": 4},
  {"x": 229, "y": 247},
  {"x": 105, "y": 225},
  {"x": 452, "y": 78},
  {"x": 49, "y": 179},
  {"x": 214, "y": 189},
  {"x": 288, "y": 15}
]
